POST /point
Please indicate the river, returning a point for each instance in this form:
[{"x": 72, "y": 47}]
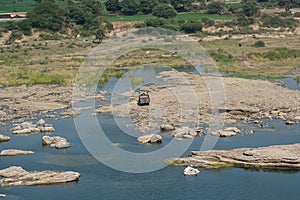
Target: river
[{"x": 98, "y": 181}]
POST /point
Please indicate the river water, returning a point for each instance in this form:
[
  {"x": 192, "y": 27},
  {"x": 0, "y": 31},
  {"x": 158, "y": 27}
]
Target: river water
[{"x": 98, "y": 181}]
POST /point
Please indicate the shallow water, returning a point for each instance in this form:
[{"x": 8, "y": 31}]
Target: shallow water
[{"x": 101, "y": 182}]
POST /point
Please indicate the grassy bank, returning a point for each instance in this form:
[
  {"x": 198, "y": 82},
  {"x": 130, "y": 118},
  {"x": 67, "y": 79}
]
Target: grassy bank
[{"x": 37, "y": 61}]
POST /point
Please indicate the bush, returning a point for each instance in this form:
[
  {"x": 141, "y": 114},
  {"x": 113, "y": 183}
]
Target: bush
[
  {"x": 260, "y": 43},
  {"x": 245, "y": 21},
  {"x": 208, "y": 22},
  {"x": 164, "y": 10},
  {"x": 216, "y": 7},
  {"x": 15, "y": 35},
  {"x": 49, "y": 36},
  {"x": 25, "y": 26},
  {"x": 158, "y": 22},
  {"x": 297, "y": 14},
  {"x": 192, "y": 27},
  {"x": 277, "y": 22}
]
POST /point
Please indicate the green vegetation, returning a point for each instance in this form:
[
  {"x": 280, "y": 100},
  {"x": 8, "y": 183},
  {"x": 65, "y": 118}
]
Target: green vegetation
[{"x": 259, "y": 43}]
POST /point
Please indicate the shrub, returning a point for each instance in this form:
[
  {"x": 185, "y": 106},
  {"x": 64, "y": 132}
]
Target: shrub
[
  {"x": 192, "y": 27},
  {"x": 49, "y": 36},
  {"x": 260, "y": 43},
  {"x": 164, "y": 10},
  {"x": 15, "y": 35},
  {"x": 208, "y": 22}
]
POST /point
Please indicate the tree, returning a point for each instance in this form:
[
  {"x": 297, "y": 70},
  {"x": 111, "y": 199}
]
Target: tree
[
  {"x": 146, "y": 6},
  {"x": 112, "y": 5},
  {"x": 130, "y": 7},
  {"x": 47, "y": 15},
  {"x": 164, "y": 10},
  {"x": 250, "y": 8},
  {"x": 100, "y": 34},
  {"x": 288, "y": 4},
  {"x": 216, "y": 7},
  {"x": 192, "y": 27},
  {"x": 180, "y": 5}
]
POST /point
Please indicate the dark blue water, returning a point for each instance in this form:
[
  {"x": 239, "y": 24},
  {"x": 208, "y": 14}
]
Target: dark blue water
[{"x": 101, "y": 182}]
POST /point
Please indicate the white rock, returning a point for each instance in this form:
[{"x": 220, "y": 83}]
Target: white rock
[
  {"x": 47, "y": 129},
  {"x": 4, "y": 138},
  {"x": 56, "y": 142},
  {"x": 167, "y": 127},
  {"x": 23, "y": 131},
  {"x": 15, "y": 152},
  {"x": 189, "y": 171},
  {"x": 227, "y": 133},
  {"x": 41, "y": 122},
  {"x": 2, "y": 195},
  {"x": 234, "y": 129},
  {"x": 151, "y": 138}
]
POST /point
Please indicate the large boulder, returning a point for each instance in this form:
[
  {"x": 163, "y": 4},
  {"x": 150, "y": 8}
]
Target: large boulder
[
  {"x": 29, "y": 127},
  {"x": 15, "y": 152},
  {"x": 17, "y": 176},
  {"x": 56, "y": 142},
  {"x": 151, "y": 138},
  {"x": 4, "y": 138}
]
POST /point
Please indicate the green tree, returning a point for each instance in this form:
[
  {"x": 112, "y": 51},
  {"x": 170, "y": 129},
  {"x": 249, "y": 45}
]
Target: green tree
[
  {"x": 25, "y": 26},
  {"x": 250, "y": 8},
  {"x": 130, "y": 7},
  {"x": 288, "y": 4},
  {"x": 146, "y": 6},
  {"x": 192, "y": 27},
  {"x": 100, "y": 34},
  {"x": 164, "y": 10},
  {"x": 180, "y": 5},
  {"x": 47, "y": 15},
  {"x": 112, "y": 5},
  {"x": 216, "y": 7}
]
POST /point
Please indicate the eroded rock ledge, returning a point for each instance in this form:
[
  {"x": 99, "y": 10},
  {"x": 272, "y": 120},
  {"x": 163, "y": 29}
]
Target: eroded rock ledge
[
  {"x": 17, "y": 176},
  {"x": 279, "y": 157}
]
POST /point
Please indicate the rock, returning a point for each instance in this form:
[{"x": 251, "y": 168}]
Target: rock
[
  {"x": 290, "y": 122},
  {"x": 227, "y": 133},
  {"x": 297, "y": 118},
  {"x": 56, "y": 142},
  {"x": 279, "y": 157},
  {"x": 15, "y": 152},
  {"x": 4, "y": 138},
  {"x": 166, "y": 127},
  {"x": 70, "y": 113},
  {"x": 46, "y": 129},
  {"x": 151, "y": 138},
  {"x": 233, "y": 129},
  {"x": 184, "y": 132},
  {"x": 189, "y": 171},
  {"x": 2, "y": 195},
  {"x": 41, "y": 122},
  {"x": 17, "y": 176},
  {"x": 23, "y": 131}
]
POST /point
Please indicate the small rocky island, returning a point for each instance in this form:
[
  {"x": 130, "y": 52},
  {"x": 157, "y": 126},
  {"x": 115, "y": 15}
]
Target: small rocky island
[
  {"x": 17, "y": 176},
  {"x": 278, "y": 157}
]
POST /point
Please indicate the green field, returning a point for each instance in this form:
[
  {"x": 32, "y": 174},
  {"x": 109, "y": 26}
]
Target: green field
[{"x": 184, "y": 16}]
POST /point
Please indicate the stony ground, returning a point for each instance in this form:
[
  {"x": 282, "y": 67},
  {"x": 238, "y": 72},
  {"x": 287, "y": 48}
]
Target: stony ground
[{"x": 189, "y": 99}]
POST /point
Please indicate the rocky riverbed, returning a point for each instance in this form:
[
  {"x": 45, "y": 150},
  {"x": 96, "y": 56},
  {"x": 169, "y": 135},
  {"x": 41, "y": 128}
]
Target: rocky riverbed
[
  {"x": 279, "y": 157},
  {"x": 186, "y": 100}
]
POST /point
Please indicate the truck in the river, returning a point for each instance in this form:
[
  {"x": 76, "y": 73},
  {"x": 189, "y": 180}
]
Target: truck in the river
[{"x": 144, "y": 98}]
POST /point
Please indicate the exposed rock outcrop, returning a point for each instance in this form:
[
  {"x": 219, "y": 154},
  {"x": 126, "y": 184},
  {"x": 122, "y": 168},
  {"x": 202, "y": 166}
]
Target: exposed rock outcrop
[
  {"x": 279, "y": 157},
  {"x": 15, "y": 152},
  {"x": 151, "y": 138},
  {"x": 166, "y": 127},
  {"x": 17, "y": 176},
  {"x": 56, "y": 142}
]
